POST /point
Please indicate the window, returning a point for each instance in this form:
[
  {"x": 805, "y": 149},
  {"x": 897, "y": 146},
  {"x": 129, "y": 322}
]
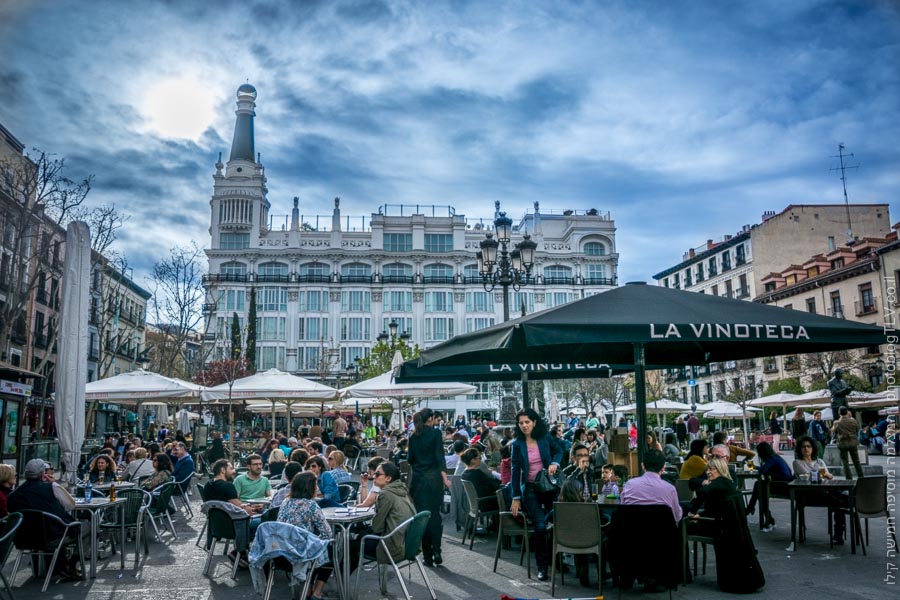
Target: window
[
  {"x": 700, "y": 272},
  {"x": 438, "y": 273},
  {"x": 273, "y": 268},
  {"x": 397, "y": 272},
  {"x": 595, "y": 274},
  {"x": 831, "y": 245},
  {"x": 313, "y": 301},
  {"x": 595, "y": 249},
  {"x": 356, "y": 329},
  {"x": 866, "y": 300},
  {"x": 726, "y": 261},
  {"x": 355, "y": 301},
  {"x": 397, "y": 301},
  {"x": 811, "y": 305},
  {"x": 557, "y": 274},
  {"x": 312, "y": 329},
  {"x": 404, "y": 325},
  {"x": 559, "y": 298},
  {"x": 837, "y": 309},
  {"x": 271, "y": 298},
  {"x": 233, "y": 268},
  {"x": 712, "y": 266},
  {"x": 837, "y": 263},
  {"x": 687, "y": 278},
  {"x": 676, "y": 281},
  {"x": 729, "y": 290},
  {"x": 232, "y": 300},
  {"x": 438, "y": 329},
  {"x": 438, "y": 242},
  {"x": 476, "y": 323},
  {"x": 356, "y": 270},
  {"x": 518, "y": 299},
  {"x": 349, "y": 354},
  {"x": 479, "y": 302},
  {"x": 470, "y": 272},
  {"x": 234, "y": 241},
  {"x": 270, "y": 357},
  {"x": 270, "y": 329},
  {"x": 397, "y": 242},
  {"x": 740, "y": 255},
  {"x": 309, "y": 358},
  {"x": 314, "y": 271},
  {"x": 438, "y": 301},
  {"x": 744, "y": 289},
  {"x": 715, "y": 290}
]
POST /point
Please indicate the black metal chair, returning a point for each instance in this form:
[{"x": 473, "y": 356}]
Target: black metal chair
[
  {"x": 43, "y": 534},
  {"x": 182, "y": 491},
  {"x": 222, "y": 528},
  {"x": 280, "y": 562},
  {"x": 8, "y": 527},
  {"x": 137, "y": 503},
  {"x": 201, "y": 491}
]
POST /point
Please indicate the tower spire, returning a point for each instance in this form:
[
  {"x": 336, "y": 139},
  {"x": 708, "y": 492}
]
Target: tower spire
[{"x": 242, "y": 145}]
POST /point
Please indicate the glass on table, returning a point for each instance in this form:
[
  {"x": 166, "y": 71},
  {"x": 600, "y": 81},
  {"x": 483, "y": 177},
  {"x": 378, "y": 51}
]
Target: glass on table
[
  {"x": 101, "y": 479},
  {"x": 595, "y": 491}
]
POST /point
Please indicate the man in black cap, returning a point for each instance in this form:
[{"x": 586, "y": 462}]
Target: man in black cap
[{"x": 36, "y": 493}]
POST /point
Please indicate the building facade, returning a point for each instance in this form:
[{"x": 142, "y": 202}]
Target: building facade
[
  {"x": 736, "y": 267},
  {"x": 327, "y": 285}
]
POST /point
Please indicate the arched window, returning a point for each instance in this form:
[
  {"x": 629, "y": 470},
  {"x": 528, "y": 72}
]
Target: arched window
[
  {"x": 272, "y": 268},
  {"x": 314, "y": 271},
  {"x": 233, "y": 268},
  {"x": 557, "y": 274},
  {"x": 595, "y": 249},
  {"x": 356, "y": 269},
  {"x": 470, "y": 272},
  {"x": 397, "y": 273},
  {"x": 438, "y": 273}
]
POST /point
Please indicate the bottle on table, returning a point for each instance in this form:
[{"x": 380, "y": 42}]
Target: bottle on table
[
  {"x": 112, "y": 492},
  {"x": 88, "y": 491}
]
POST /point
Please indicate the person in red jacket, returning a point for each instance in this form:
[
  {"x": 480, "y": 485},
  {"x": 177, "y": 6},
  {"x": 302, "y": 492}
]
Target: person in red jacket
[{"x": 7, "y": 479}]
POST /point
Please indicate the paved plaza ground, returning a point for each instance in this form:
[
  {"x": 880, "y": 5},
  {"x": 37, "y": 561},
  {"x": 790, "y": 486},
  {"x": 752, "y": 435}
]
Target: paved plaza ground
[{"x": 174, "y": 570}]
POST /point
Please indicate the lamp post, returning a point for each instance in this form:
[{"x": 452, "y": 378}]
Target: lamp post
[
  {"x": 391, "y": 339},
  {"x": 498, "y": 265}
]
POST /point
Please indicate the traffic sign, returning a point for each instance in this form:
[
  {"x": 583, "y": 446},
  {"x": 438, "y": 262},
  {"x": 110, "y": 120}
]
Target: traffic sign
[{"x": 692, "y": 382}]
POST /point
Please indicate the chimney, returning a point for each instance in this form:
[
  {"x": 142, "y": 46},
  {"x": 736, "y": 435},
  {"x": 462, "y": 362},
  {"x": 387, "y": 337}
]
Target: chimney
[
  {"x": 691, "y": 253},
  {"x": 709, "y": 244}
]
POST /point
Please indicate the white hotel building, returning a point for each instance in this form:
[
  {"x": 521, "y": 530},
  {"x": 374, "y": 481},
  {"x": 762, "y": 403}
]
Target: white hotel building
[{"x": 332, "y": 283}]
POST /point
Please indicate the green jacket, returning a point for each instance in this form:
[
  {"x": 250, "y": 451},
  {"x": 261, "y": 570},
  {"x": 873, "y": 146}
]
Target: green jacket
[{"x": 392, "y": 508}]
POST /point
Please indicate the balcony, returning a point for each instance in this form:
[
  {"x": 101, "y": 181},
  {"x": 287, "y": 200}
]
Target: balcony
[
  {"x": 473, "y": 279},
  {"x": 209, "y": 337},
  {"x": 314, "y": 278},
  {"x": 836, "y": 312},
  {"x": 599, "y": 281},
  {"x": 742, "y": 292},
  {"x": 713, "y": 272},
  {"x": 358, "y": 279},
  {"x": 444, "y": 279},
  {"x": 726, "y": 266},
  {"x": 867, "y": 306},
  {"x": 273, "y": 278},
  {"x": 770, "y": 367},
  {"x": 408, "y": 279},
  {"x": 740, "y": 261},
  {"x": 208, "y": 309},
  {"x": 224, "y": 277},
  {"x": 791, "y": 363},
  {"x": 559, "y": 280}
]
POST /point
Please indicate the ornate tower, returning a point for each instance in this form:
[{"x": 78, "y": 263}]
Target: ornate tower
[{"x": 240, "y": 210}]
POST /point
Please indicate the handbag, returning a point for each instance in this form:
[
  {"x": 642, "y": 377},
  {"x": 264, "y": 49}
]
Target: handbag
[{"x": 545, "y": 483}]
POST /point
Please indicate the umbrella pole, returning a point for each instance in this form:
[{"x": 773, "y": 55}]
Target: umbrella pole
[
  {"x": 273, "y": 418},
  {"x": 640, "y": 398}
]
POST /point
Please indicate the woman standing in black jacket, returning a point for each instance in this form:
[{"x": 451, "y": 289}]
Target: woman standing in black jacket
[{"x": 428, "y": 480}]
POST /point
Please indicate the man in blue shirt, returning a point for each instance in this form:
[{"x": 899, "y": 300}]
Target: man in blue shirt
[
  {"x": 184, "y": 465},
  {"x": 573, "y": 421}
]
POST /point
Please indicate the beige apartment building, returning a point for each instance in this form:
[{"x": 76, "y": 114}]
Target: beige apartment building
[{"x": 846, "y": 283}]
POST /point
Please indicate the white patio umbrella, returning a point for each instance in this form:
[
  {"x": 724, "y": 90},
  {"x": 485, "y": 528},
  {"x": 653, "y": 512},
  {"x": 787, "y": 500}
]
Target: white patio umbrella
[
  {"x": 732, "y": 412},
  {"x": 384, "y": 386},
  {"x": 272, "y": 385},
  {"x": 71, "y": 369},
  {"x": 140, "y": 386},
  {"x": 663, "y": 406}
]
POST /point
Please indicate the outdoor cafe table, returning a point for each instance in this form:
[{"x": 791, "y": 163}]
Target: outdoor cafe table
[
  {"x": 95, "y": 507},
  {"x": 808, "y": 487},
  {"x": 120, "y": 485},
  {"x": 342, "y": 519}
]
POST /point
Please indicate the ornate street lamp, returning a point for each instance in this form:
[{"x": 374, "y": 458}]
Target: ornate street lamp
[{"x": 500, "y": 265}]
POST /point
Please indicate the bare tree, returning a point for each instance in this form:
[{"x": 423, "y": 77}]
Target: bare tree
[
  {"x": 36, "y": 201},
  {"x": 177, "y": 295}
]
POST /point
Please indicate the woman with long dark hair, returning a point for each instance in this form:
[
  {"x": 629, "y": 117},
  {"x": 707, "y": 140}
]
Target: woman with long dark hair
[
  {"x": 533, "y": 451},
  {"x": 428, "y": 480}
]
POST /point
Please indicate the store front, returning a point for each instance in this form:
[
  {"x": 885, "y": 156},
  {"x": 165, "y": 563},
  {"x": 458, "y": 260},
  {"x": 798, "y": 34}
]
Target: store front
[{"x": 13, "y": 396}]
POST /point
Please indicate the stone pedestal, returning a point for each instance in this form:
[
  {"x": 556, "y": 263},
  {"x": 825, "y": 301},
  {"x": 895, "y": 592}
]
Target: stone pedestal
[{"x": 832, "y": 456}]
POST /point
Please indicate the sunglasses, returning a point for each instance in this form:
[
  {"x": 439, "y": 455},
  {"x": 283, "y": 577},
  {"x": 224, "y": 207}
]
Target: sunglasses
[{"x": 379, "y": 473}]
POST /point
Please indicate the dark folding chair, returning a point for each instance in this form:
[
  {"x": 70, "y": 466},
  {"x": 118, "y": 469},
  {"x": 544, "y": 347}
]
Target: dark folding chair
[
  {"x": 222, "y": 528},
  {"x": 412, "y": 530},
  {"x": 510, "y": 527},
  {"x": 136, "y": 504},
  {"x": 8, "y": 527},
  {"x": 631, "y": 526},
  {"x": 475, "y": 512},
  {"x": 158, "y": 511},
  {"x": 40, "y": 536},
  {"x": 577, "y": 529}
]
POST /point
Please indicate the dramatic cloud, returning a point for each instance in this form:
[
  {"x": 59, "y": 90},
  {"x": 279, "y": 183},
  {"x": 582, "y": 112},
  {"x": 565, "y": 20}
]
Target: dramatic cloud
[{"x": 684, "y": 120}]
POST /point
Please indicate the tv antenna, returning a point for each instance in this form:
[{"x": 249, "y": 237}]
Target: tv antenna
[{"x": 843, "y": 169}]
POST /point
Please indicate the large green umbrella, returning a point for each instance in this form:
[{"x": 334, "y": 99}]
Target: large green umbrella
[{"x": 633, "y": 328}]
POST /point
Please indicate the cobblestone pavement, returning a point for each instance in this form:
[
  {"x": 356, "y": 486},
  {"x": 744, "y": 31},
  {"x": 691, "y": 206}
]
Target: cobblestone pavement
[{"x": 173, "y": 570}]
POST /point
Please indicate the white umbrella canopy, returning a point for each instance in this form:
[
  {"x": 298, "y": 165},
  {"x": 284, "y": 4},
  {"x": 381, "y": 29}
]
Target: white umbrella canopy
[
  {"x": 139, "y": 386},
  {"x": 779, "y": 399},
  {"x": 824, "y": 396},
  {"x": 273, "y": 385},
  {"x": 657, "y": 407},
  {"x": 732, "y": 412},
  {"x": 296, "y": 410}
]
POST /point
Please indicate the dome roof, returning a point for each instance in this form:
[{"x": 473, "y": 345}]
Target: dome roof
[{"x": 246, "y": 90}]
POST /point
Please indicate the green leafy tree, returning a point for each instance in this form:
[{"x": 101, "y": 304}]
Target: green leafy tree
[
  {"x": 379, "y": 359},
  {"x": 236, "y": 350},
  {"x": 251, "y": 331}
]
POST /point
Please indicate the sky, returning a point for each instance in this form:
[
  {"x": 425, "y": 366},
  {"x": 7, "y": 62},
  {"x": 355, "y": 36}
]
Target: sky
[{"x": 685, "y": 119}]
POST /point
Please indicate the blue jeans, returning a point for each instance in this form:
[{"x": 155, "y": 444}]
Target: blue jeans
[{"x": 537, "y": 506}]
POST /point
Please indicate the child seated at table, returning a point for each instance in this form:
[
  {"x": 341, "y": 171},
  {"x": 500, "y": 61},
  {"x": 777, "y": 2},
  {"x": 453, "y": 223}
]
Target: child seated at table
[{"x": 613, "y": 475}]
